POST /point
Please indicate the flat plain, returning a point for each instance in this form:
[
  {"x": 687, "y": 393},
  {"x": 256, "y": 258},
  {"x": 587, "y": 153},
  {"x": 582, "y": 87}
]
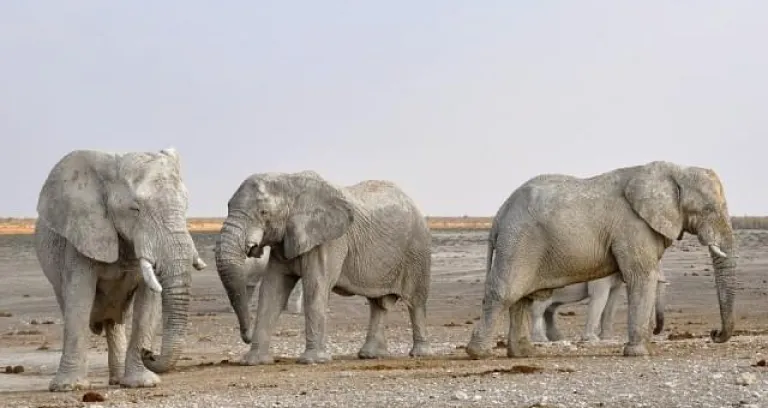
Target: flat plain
[{"x": 685, "y": 369}]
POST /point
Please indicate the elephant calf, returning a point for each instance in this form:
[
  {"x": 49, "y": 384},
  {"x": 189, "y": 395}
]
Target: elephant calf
[
  {"x": 111, "y": 232},
  {"x": 602, "y": 294},
  {"x": 368, "y": 239}
]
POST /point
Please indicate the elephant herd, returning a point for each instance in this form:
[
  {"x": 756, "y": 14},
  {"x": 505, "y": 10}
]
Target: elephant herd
[{"x": 111, "y": 234}]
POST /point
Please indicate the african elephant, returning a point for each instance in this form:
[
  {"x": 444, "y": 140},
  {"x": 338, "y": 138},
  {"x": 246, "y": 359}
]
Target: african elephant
[
  {"x": 111, "y": 234},
  {"x": 602, "y": 294},
  {"x": 555, "y": 230},
  {"x": 367, "y": 239}
]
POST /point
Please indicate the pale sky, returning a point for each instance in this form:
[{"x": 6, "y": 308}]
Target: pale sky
[{"x": 458, "y": 102}]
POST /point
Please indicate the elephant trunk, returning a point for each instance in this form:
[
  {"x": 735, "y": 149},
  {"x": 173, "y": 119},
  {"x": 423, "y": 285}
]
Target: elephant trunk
[
  {"x": 175, "y": 280},
  {"x": 659, "y": 307},
  {"x": 230, "y": 264},
  {"x": 724, "y": 263}
]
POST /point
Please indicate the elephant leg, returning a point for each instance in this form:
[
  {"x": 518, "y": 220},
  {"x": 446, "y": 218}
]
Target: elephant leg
[
  {"x": 598, "y": 297},
  {"x": 536, "y": 313},
  {"x": 275, "y": 288},
  {"x": 479, "y": 345},
  {"x": 375, "y": 342},
  {"x": 518, "y": 335},
  {"x": 294, "y": 305},
  {"x": 641, "y": 289},
  {"x": 418, "y": 313},
  {"x": 553, "y": 333},
  {"x": 79, "y": 290},
  {"x": 606, "y": 321},
  {"x": 146, "y": 310},
  {"x": 506, "y": 282},
  {"x": 116, "y": 346},
  {"x": 316, "y": 292}
]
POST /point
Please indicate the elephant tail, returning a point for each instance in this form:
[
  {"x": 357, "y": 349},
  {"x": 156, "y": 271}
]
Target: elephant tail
[{"x": 491, "y": 248}]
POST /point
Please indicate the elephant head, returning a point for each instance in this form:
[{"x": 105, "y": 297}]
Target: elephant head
[
  {"x": 673, "y": 200},
  {"x": 291, "y": 213},
  {"x": 113, "y": 207}
]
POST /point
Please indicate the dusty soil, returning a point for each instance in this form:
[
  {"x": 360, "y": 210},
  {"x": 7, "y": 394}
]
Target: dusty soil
[{"x": 685, "y": 370}]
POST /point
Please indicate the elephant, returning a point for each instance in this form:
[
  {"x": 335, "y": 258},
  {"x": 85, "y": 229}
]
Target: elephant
[
  {"x": 602, "y": 294},
  {"x": 555, "y": 230},
  {"x": 367, "y": 239},
  {"x": 255, "y": 268},
  {"x": 112, "y": 236}
]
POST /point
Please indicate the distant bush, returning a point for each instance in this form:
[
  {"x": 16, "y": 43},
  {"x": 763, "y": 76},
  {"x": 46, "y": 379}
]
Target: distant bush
[{"x": 749, "y": 222}]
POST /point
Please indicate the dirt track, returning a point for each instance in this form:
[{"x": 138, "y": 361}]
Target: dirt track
[{"x": 685, "y": 372}]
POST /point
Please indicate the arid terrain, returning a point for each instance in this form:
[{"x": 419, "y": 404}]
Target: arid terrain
[{"x": 685, "y": 370}]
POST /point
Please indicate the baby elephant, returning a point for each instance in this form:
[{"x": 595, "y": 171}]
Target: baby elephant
[
  {"x": 368, "y": 239},
  {"x": 602, "y": 294}
]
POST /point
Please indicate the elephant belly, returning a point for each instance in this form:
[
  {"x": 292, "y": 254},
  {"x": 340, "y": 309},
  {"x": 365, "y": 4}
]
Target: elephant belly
[
  {"x": 111, "y": 301},
  {"x": 571, "y": 293}
]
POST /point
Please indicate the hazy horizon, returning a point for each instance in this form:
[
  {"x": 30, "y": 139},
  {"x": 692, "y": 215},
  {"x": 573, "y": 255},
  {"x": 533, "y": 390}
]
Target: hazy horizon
[{"x": 458, "y": 104}]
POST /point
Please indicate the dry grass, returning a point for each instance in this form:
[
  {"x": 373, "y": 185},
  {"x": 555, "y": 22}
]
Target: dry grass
[{"x": 11, "y": 226}]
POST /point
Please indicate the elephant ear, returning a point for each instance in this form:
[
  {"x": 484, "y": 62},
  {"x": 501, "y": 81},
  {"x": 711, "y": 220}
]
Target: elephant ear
[
  {"x": 319, "y": 214},
  {"x": 654, "y": 194},
  {"x": 72, "y": 203}
]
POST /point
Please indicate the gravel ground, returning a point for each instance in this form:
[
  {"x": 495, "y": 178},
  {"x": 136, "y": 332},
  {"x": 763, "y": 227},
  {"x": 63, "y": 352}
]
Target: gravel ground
[{"x": 685, "y": 370}]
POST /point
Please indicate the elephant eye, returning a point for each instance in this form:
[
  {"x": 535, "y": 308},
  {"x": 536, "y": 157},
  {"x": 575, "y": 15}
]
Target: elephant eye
[{"x": 263, "y": 212}]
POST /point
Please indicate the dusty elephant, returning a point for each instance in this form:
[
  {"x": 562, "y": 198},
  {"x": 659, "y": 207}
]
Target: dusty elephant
[
  {"x": 368, "y": 239},
  {"x": 602, "y": 294},
  {"x": 555, "y": 230},
  {"x": 111, "y": 233}
]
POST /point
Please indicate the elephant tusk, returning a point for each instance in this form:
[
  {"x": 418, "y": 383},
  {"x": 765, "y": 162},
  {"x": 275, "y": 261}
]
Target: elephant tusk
[
  {"x": 148, "y": 273},
  {"x": 199, "y": 264},
  {"x": 717, "y": 251}
]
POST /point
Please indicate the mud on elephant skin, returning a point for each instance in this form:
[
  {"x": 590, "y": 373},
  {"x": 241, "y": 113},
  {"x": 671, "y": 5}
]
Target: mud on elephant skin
[
  {"x": 603, "y": 295},
  {"x": 111, "y": 235},
  {"x": 555, "y": 230},
  {"x": 368, "y": 239}
]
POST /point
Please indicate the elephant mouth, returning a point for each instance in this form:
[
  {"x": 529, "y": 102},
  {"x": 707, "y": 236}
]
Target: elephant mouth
[{"x": 256, "y": 251}]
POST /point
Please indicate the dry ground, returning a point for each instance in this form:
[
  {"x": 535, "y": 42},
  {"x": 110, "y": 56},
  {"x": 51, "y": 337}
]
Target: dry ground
[{"x": 686, "y": 370}]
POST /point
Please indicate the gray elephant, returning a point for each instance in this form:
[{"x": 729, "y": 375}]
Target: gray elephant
[
  {"x": 602, "y": 294},
  {"x": 368, "y": 239},
  {"x": 111, "y": 234},
  {"x": 555, "y": 230}
]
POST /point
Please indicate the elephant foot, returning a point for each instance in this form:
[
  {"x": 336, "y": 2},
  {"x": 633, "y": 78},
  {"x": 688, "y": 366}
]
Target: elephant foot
[
  {"x": 314, "y": 357},
  {"x": 373, "y": 351},
  {"x": 521, "y": 348},
  {"x": 140, "y": 379},
  {"x": 421, "y": 349},
  {"x": 554, "y": 335},
  {"x": 116, "y": 374},
  {"x": 590, "y": 338},
  {"x": 478, "y": 352},
  {"x": 65, "y": 383},
  {"x": 635, "y": 350},
  {"x": 539, "y": 338},
  {"x": 256, "y": 357}
]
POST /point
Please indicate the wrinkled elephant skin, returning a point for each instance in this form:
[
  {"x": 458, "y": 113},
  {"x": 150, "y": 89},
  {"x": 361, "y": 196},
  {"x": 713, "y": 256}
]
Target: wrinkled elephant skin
[
  {"x": 556, "y": 230},
  {"x": 112, "y": 234}
]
